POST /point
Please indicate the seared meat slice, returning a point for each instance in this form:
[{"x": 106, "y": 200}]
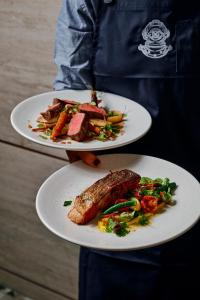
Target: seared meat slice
[
  {"x": 53, "y": 111},
  {"x": 78, "y": 127},
  {"x": 92, "y": 111},
  {"x": 64, "y": 101},
  {"x": 101, "y": 194},
  {"x": 56, "y": 107}
]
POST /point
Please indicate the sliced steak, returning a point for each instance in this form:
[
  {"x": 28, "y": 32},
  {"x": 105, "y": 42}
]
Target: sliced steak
[
  {"x": 92, "y": 111},
  {"x": 52, "y": 111},
  {"x": 78, "y": 127},
  {"x": 101, "y": 194},
  {"x": 64, "y": 101},
  {"x": 57, "y": 106}
]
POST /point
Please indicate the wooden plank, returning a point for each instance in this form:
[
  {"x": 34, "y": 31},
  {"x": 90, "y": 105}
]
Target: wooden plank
[
  {"x": 27, "y": 288},
  {"x": 27, "y": 247},
  {"x": 27, "y": 33}
]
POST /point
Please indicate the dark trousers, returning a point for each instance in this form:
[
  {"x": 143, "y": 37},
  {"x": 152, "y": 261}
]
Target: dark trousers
[{"x": 168, "y": 272}]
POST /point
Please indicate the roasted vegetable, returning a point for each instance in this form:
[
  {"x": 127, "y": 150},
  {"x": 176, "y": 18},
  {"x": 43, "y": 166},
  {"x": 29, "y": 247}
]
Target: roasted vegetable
[{"x": 59, "y": 125}]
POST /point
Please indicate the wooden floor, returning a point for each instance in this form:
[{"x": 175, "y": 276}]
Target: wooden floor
[
  {"x": 7, "y": 293},
  {"x": 33, "y": 261}
]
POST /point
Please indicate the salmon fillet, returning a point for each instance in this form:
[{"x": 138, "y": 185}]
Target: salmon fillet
[{"x": 101, "y": 194}]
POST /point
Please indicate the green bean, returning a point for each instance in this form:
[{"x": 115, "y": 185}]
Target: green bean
[{"x": 117, "y": 206}]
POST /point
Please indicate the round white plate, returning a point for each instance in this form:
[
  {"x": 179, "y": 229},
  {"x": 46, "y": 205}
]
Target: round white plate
[
  {"x": 137, "y": 124},
  {"x": 71, "y": 180}
]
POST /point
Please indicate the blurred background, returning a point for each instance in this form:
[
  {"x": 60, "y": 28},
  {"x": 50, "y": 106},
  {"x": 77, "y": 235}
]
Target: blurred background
[{"x": 33, "y": 262}]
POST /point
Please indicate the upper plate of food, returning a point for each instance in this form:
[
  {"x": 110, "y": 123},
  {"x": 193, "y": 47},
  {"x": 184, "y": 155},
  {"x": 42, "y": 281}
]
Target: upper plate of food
[
  {"x": 128, "y": 202},
  {"x": 75, "y": 120}
]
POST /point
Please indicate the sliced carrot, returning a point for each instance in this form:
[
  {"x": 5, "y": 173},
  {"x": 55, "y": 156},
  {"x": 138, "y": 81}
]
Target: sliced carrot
[{"x": 59, "y": 125}]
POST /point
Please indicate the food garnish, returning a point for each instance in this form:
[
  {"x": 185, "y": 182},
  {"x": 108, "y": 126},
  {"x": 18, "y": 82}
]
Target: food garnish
[
  {"x": 67, "y": 203},
  {"x": 150, "y": 197},
  {"x": 71, "y": 120}
]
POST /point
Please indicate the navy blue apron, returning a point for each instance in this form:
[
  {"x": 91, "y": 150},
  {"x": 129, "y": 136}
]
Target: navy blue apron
[{"x": 149, "y": 51}]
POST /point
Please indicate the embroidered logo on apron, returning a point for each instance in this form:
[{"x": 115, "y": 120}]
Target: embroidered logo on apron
[{"x": 155, "y": 35}]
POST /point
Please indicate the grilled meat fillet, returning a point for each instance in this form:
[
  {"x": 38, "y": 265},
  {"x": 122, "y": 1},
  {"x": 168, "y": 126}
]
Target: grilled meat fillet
[{"x": 101, "y": 194}]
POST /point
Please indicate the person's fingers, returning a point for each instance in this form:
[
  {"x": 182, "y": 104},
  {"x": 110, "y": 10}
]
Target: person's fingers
[
  {"x": 87, "y": 157},
  {"x": 72, "y": 156}
]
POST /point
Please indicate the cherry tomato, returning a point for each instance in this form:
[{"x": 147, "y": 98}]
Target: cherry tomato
[{"x": 149, "y": 204}]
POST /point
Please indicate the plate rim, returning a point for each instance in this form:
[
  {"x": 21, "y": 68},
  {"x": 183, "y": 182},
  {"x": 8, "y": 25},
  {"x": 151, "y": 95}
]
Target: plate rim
[
  {"x": 65, "y": 146},
  {"x": 150, "y": 245}
]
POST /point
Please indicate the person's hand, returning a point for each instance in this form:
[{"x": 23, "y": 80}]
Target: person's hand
[{"x": 87, "y": 157}]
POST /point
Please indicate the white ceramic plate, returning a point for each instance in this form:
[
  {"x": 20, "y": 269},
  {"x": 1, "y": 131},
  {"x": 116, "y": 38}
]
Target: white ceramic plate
[
  {"x": 71, "y": 180},
  {"x": 137, "y": 124}
]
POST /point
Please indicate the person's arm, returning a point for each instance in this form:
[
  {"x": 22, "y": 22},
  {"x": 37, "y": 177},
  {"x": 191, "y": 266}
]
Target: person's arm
[
  {"x": 74, "y": 44},
  {"x": 75, "y": 30}
]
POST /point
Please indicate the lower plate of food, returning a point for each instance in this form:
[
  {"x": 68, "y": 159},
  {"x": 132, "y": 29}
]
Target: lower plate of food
[
  {"x": 129, "y": 202},
  {"x": 80, "y": 120}
]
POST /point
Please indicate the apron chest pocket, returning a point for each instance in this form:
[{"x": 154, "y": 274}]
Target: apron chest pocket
[
  {"x": 129, "y": 5},
  {"x": 140, "y": 5}
]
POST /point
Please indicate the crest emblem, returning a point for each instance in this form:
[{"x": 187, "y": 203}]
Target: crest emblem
[{"x": 155, "y": 35}]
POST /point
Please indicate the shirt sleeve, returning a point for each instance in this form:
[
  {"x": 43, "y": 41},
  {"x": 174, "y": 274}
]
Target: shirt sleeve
[{"x": 74, "y": 44}]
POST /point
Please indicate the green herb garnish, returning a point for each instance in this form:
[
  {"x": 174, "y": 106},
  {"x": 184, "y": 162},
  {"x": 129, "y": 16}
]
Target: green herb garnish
[
  {"x": 67, "y": 203},
  {"x": 143, "y": 220},
  {"x": 102, "y": 136},
  {"x": 48, "y": 132},
  {"x": 146, "y": 180},
  {"x": 121, "y": 229},
  {"x": 40, "y": 125},
  {"x": 127, "y": 217},
  {"x": 167, "y": 186},
  {"x": 43, "y": 137},
  {"x": 111, "y": 113},
  {"x": 172, "y": 186},
  {"x": 74, "y": 109},
  {"x": 110, "y": 226},
  {"x": 113, "y": 128}
]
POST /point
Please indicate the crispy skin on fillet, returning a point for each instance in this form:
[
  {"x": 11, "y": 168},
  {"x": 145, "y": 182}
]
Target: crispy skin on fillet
[{"x": 101, "y": 194}]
